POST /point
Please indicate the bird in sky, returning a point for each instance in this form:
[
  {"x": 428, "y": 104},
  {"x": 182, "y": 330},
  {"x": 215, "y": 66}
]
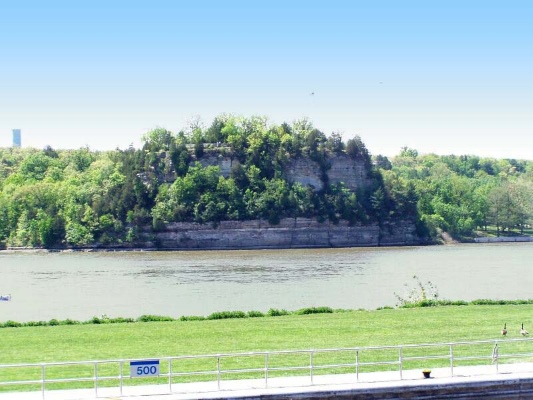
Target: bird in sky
[{"x": 312, "y": 94}]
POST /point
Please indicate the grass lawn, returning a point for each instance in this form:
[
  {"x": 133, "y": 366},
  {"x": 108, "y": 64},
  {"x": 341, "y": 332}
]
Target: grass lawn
[
  {"x": 315, "y": 331},
  {"x": 491, "y": 231},
  {"x": 349, "y": 329}
]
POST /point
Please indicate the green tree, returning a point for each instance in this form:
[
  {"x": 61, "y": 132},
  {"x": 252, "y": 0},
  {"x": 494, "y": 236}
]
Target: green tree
[
  {"x": 158, "y": 139},
  {"x": 356, "y": 149},
  {"x": 334, "y": 143}
]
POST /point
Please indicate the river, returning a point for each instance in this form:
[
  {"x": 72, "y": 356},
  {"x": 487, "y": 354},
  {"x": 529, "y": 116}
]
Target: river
[{"x": 80, "y": 285}]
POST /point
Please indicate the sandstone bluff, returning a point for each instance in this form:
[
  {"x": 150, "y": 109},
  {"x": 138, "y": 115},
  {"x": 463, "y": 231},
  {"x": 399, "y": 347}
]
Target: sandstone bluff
[{"x": 290, "y": 232}]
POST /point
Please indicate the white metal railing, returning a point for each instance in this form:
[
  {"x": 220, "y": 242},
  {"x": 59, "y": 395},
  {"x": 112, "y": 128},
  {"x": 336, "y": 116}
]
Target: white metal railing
[{"x": 216, "y": 368}]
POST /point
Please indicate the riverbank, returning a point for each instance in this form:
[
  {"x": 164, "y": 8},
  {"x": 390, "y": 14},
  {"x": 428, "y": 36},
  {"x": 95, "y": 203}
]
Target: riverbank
[
  {"x": 289, "y": 233},
  {"x": 264, "y": 237},
  {"x": 331, "y": 330},
  {"x": 96, "y": 249},
  {"x": 504, "y": 239},
  {"x": 272, "y": 312}
]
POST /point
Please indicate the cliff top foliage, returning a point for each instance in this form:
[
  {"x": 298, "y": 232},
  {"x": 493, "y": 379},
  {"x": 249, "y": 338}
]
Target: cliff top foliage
[{"x": 80, "y": 197}]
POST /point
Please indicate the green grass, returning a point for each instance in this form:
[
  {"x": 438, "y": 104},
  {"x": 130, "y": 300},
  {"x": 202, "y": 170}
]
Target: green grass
[
  {"x": 344, "y": 329},
  {"x": 290, "y": 332},
  {"x": 491, "y": 231}
]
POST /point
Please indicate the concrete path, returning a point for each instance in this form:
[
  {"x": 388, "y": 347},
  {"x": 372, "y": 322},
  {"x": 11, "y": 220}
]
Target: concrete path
[{"x": 365, "y": 383}]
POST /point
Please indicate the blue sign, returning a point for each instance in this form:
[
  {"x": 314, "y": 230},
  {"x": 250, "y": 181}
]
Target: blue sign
[{"x": 144, "y": 368}]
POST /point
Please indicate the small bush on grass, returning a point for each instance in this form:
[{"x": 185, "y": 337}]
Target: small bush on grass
[
  {"x": 314, "y": 310},
  {"x": 227, "y": 315},
  {"x": 36, "y": 323},
  {"x": 452, "y": 303},
  {"x": 120, "y": 320},
  {"x": 421, "y": 295},
  {"x": 11, "y": 324},
  {"x": 69, "y": 321},
  {"x": 274, "y": 312},
  {"x": 489, "y": 302},
  {"x": 154, "y": 318},
  {"x": 192, "y": 318},
  {"x": 255, "y": 314},
  {"x": 96, "y": 320}
]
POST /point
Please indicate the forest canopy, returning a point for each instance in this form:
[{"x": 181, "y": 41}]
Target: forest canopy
[{"x": 58, "y": 198}]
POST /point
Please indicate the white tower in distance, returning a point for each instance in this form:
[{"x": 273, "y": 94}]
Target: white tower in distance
[{"x": 16, "y": 138}]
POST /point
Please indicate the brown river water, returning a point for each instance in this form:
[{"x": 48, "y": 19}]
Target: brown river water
[{"x": 81, "y": 285}]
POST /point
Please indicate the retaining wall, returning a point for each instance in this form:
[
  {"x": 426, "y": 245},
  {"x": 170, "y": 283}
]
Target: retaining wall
[
  {"x": 289, "y": 233},
  {"x": 512, "y": 387},
  {"x": 504, "y": 239}
]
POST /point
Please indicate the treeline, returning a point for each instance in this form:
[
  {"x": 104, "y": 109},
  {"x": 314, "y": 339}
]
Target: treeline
[
  {"x": 464, "y": 195},
  {"x": 77, "y": 198}
]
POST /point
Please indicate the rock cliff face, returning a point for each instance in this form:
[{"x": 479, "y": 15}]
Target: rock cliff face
[
  {"x": 307, "y": 172},
  {"x": 352, "y": 172},
  {"x": 304, "y": 171},
  {"x": 289, "y": 233},
  {"x": 342, "y": 168},
  {"x": 218, "y": 160}
]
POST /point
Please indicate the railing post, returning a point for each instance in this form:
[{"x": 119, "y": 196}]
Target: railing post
[
  {"x": 43, "y": 378},
  {"x": 121, "y": 376},
  {"x": 266, "y": 370},
  {"x": 218, "y": 371},
  {"x": 311, "y": 365},
  {"x": 96, "y": 379},
  {"x": 451, "y": 359},
  {"x": 170, "y": 375},
  {"x": 495, "y": 355},
  {"x": 400, "y": 360},
  {"x": 357, "y": 365}
]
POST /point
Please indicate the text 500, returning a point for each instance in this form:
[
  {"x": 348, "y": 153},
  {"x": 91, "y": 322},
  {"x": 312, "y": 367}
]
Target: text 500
[{"x": 147, "y": 370}]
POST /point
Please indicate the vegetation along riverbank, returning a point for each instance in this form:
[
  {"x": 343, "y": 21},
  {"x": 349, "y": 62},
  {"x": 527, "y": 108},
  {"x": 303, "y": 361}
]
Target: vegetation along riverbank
[
  {"x": 196, "y": 189},
  {"x": 151, "y": 336}
]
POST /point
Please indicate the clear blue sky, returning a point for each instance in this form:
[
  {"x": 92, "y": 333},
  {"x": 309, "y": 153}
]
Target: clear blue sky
[{"x": 450, "y": 77}]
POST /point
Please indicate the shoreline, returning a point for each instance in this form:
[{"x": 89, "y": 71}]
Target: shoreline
[
  {"x": 504, "y": 239},
  {"x": 15, "y": 249},
  {"x": 244, "y": 315}
]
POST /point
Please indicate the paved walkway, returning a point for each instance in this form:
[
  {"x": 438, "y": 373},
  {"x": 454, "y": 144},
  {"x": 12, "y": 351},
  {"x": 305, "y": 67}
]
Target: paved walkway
[{"x": 287, "y": 386}]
